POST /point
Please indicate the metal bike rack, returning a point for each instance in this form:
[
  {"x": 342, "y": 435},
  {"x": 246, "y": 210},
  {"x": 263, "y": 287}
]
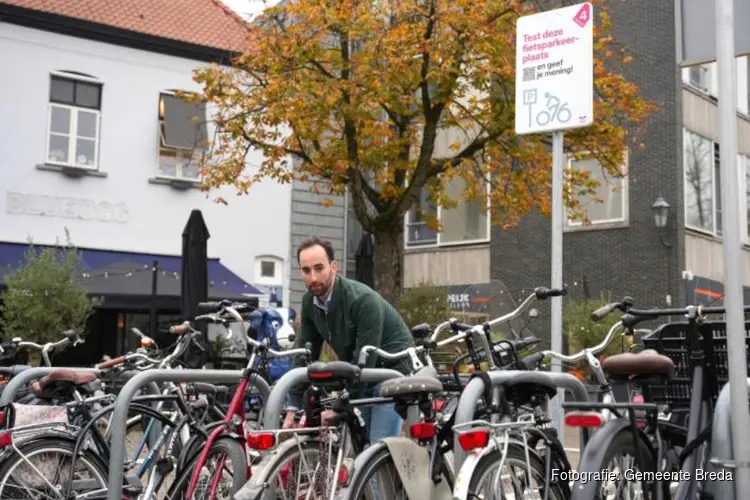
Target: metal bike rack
[
  {"x": 721, "y": 446},
  {"x": 475, "y": 388},
  {"x": 298, "y": 376},
  {"x": 131, "y": 387}
]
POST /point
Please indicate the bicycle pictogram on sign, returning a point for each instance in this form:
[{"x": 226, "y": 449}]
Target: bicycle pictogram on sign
[{"x": 555, "y": 112}]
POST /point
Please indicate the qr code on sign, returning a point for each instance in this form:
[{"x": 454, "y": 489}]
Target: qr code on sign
[{"x": 529, "y": 74}]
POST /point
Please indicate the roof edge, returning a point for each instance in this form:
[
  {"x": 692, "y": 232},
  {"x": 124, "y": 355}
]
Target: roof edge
[{"x": 79, "y": 28}]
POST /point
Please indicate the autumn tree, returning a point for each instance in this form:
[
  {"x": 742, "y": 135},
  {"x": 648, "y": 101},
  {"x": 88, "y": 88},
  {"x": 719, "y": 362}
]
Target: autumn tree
[{"x": 389, "y": 100}]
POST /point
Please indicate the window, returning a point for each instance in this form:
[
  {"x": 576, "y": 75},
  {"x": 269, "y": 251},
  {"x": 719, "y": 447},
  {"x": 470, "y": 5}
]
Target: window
[
  {"x": 702, "y": 184},
  {"x": 74, "y": 113},
  {"x": 699, "y": 77},
  {"x": 608, "y": 205},
  {"x": 743, "y": 166},
  {"x": 267, "y": 269},
  {"x": 468, "y": 222},
  {"x": 182, "y": 137}
]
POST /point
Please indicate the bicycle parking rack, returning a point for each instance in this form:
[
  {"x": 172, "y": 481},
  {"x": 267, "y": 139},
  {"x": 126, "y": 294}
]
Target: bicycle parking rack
[
  {"x": 473, "y": 391},
  {"x": 122, "y": 403},
  {"x": 297, "y": 376},
  {"x": 721, "y": 446}
]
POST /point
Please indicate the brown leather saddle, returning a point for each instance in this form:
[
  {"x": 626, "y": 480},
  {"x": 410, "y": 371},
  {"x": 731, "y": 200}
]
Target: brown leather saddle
[{"x": 59, "y": 382}]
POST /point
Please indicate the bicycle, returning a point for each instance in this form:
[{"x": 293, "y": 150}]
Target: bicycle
[
  {"x": 419, "y": 390},
  {"x": 228, "y": 437},
  {"x": 666, "y": 447}
]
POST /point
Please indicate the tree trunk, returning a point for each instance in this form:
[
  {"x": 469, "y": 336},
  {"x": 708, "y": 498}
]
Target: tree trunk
[{"x": 387, "y": 262}]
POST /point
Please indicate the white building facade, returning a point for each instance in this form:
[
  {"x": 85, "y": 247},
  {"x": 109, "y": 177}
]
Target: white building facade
[{"x": 94, "y": 142}]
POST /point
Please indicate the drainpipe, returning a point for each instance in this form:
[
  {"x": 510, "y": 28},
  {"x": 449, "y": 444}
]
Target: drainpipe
[{"x": 345, "y": 260}]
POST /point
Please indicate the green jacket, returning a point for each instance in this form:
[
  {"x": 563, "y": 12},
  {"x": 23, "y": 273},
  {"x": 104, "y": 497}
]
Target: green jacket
[{"x": 357, "y": 316}]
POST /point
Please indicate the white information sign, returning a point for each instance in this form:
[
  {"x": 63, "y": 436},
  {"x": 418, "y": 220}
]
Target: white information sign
[{"x": 555, "y": 70}]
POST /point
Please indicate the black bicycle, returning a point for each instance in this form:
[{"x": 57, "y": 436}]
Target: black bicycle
[{"x": 663, "y": 441}]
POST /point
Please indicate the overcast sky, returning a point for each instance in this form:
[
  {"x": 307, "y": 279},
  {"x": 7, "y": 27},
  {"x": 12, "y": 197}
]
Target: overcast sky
[{"x": 247, "y": 8}]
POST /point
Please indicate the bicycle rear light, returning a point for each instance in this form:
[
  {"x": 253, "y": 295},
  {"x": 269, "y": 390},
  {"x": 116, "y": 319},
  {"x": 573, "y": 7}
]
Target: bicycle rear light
[
  {"x": 584, "y": 419},
  {"x": 422, "y": 431},
  {"x": 261, "y": 440},
  {"x": 471, "y": 440}
]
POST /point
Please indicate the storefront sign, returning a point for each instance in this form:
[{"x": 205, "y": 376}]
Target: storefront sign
[
  {"x": 65, "y": 207},
  {"x": 467, "y": 297}
]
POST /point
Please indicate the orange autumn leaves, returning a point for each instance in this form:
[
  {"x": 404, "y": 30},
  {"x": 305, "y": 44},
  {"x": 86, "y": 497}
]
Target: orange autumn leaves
[{"x": 388, "y": 98}]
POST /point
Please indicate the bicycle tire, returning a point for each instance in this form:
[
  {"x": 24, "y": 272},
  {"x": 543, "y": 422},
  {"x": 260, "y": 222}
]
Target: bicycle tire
[
  {"x": 516, "y": 452},
  {"x": 383, "y": 456},
  {"x": 56, "y": 444},
  {"x": 227, "y": 445},
  {"x": 621, "y": 443}
]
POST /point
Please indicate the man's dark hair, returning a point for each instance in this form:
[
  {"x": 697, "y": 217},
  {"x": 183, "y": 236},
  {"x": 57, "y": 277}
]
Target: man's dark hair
[{"x": 315, "y": 241}]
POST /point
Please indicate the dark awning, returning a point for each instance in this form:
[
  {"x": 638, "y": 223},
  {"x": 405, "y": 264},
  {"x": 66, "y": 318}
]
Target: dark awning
[{"x": 123, "y": 279}]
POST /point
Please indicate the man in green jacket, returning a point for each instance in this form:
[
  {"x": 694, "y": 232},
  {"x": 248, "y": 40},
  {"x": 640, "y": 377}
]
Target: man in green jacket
[{"x": 348, "y": 315}]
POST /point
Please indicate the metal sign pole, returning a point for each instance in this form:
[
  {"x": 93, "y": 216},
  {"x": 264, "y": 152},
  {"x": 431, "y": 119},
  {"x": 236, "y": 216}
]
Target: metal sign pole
[
  {"x": 554, "y": 93},
  {"x": 730, "y": 205},
  {"x": 556, "y": 305}
]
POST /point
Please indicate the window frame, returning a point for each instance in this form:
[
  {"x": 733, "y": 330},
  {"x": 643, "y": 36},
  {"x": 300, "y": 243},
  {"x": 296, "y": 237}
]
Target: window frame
[
  {"x": 74, "y": 110},
  {"x": 715, "y": 211},
  {"x": 440, "y": 244},
  {"x": 180, "y": 154},
  {"x": 624, "y": 221}
]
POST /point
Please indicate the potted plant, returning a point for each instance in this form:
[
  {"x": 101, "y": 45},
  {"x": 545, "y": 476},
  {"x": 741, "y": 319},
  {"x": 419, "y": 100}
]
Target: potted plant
[{"x": 583, "y": 332}]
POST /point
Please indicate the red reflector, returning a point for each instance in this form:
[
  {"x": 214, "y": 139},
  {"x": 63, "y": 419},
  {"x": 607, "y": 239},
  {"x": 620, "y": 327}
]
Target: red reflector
[
  {"x": 474, "y": 439},
  {"x": 422, "y": 431},
  {"x": 320, "y": 375},
  {"x": 6, "y": 439},
  {"x": 584, "y": 419},
  {"x": 261, "y": 441},
  {"x": 2, "y": 417},
  {"x": 438, "y": 404},
  {"x": 343, "y": 475},
  {"x": 638, "y": 399}
]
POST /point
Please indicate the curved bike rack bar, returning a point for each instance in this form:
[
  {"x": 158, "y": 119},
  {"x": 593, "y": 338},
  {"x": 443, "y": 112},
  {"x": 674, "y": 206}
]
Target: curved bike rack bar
[
  {"x": 722, "y": 453},
  {"x": 120, "y": 413},
  {"x": 298, "y": 376},
  {"x": 473, "y": 391}
]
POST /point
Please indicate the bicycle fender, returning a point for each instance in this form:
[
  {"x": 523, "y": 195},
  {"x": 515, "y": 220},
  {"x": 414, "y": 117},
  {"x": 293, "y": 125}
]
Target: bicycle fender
[
  {"x": 590, "y": 464},
  {"x": 411, "y": 460},
  {"x": 258, "y": 483},
  {"x": 344, "y": 493},
  {"x": 463, "y": 477}
]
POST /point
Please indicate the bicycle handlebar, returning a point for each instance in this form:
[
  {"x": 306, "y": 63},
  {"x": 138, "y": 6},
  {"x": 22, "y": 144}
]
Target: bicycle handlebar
[
  {"x": 539, "y": 293},
  {"x": 573, "y": 358}
]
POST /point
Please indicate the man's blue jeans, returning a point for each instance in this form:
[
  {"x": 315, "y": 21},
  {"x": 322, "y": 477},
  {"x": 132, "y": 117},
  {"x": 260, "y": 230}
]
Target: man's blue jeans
[{"x": 381, "y": 420}]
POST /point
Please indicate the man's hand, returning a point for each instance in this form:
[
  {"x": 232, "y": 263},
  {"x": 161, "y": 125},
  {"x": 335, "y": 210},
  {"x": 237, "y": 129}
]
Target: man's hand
[
  {"x": 326, "y": 416},
  {"x": 289, "y": 420}
]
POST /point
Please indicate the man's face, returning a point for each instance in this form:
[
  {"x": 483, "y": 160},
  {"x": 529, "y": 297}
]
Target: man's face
[{"x": 317, "y": 271}]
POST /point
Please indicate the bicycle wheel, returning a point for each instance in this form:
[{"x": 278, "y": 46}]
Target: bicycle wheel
[
  {"x": 365, "y": 485},
  {"x": 44, "y": 465},
  {"x": 221, "y": 450},
  {"x": 619, "y": 462},
  {"x": 514, "y": 477},
  {"x": 303, "y": 468}
]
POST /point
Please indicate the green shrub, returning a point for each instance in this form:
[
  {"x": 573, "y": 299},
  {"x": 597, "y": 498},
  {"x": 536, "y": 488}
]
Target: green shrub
[{"x": 583, "y": 332}]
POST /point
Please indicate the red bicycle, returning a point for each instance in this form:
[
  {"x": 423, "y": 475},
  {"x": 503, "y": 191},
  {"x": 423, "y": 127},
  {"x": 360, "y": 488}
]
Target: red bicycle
[{"x": 228, "y": 439}]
